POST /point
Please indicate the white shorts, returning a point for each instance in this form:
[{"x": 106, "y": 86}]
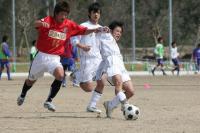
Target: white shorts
[
  {"x": 88, "y": 69},
  {"x": 43, "y": 63},
  {"x": 113, "y": 65}
]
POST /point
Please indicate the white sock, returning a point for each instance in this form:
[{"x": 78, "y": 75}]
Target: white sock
[
  {"x": 94, "y": 99},
  {"x": 117, "y": 99}
]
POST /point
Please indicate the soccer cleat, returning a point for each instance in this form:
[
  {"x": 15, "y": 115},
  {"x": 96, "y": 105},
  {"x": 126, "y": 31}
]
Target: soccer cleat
[
  {"x": 108, "y": 109},
  {"x": 76, "y": 85},
  {"x": 72, "y": 76},
  {"x": 93, "y": 109},
  {"x": 20, "y": 100},
  {"x": 50, "y": 106}
]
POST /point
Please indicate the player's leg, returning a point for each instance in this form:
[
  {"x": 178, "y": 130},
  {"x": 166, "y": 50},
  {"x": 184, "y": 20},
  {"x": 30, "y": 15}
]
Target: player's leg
[
  {"x": 87, "y": 86},
  {"x": 119, "y": 98},
  {"x": 198, "y": 65},
  {"x": 36, "y": 70},
  {"x": 8, "y": 70},
  {"x": 154, "y": 69},
  {"x": 26, "y": 87},
  {"x": 128, "y": 89},
  {"x": 161, "y": 63},
  {"x": 1, "y": 69},
  {"x": 55, "y": 87},
  {"x": 64, "y": 78},
  {"x": 96, "y": 94}
]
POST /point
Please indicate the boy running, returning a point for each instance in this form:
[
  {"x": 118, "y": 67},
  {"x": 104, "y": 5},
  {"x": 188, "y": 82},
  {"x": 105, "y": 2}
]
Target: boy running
[
  {"x": 54, "y": 32},
  {"x": 112, "y": 68},
  {"x": 159, "y": 51}
]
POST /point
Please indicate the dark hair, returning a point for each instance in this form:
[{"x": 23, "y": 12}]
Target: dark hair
[
  {"x": 198, "y": 45},
  {"x": 94, "y": 7},
  {"x": 4, "y": 38},
  {"x": 159, "y": 39},
  {"x": 174, "y": 42},
  {"x": 33, "y": 42},
  {"x": 115, "y": 24},
  {"x": 61, "y": 6}
]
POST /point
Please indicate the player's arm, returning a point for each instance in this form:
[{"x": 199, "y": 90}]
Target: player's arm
[
  {"x": 75, "y": 41},
  {"x": 39, "y": 23},
  {"x": 96, "y": 30}
]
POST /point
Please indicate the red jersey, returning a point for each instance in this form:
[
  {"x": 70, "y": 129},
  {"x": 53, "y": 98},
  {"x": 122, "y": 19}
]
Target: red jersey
[{"x": 52, "y": 40}]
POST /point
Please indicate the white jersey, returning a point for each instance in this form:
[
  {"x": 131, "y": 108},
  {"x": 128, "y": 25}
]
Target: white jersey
[
  {"x": 174, "y": 53},
  {"x": 89, "y": 40},
  {"x": 112, "y": 62},
  {"x": 90, "y": 60},
  {"x": 108, "y": 45}
]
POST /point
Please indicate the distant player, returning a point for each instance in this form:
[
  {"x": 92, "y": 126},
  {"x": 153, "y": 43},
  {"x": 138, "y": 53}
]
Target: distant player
[
  {"x": 90, "y": 57},
  {"x": 5, "y": 56},
  {"x": 112, "y": 68},
  {"x": 175, "y": 60},
  {"x": 54, "y": 32},
  {"x": 196, "y": 58},
  {"x": 68, "y": 60},
  {"x": 159, "y": 52}
]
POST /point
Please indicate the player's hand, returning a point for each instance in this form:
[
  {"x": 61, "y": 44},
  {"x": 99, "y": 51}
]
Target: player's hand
[
  {"x": 44, "y": 24},
  {"x": 86, "y": 48},
  {"x": 103, "y": 29}
]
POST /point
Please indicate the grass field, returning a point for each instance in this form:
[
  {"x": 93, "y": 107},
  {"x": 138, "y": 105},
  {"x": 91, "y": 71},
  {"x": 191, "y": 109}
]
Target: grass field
[{"x": 171, "y": 105}]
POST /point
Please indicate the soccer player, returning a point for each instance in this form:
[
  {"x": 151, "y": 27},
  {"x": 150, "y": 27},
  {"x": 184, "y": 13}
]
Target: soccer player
[
  {"x": 54, "y": 32},
  {"x": 5, "y": 55},
  {"x": 68, "y": 60},
  {"x": 159, "y": 51},
  {"x": 89, "y": 53},
  {"x": 196, "y": 58},
  {"x": 175, "y": 60},
  {"x": 112, "y": 68}
]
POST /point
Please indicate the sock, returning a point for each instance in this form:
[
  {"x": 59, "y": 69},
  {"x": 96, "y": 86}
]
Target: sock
[
  {"x": 8, "y": 74},
  {"x": 55, "y": 87},
  {"x": 25, "y": 89},
  {"x": 119, "y": 98},
  {"x": 94, "y": 99},
  {"x": 163, "y": 70},
  {"x": 0, "y": 74}
]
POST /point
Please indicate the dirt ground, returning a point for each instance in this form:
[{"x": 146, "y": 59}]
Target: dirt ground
[{"x": 170, "y": 105}]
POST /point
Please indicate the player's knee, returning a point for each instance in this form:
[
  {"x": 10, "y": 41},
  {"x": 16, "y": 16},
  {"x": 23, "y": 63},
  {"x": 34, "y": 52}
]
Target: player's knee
[
  {"x": 129, "y": 94},
  {"x": 118, "y": 83},
  {"x": 29, "y": 82},
  {"x": 100, "y": 85},
  {"x": 86, "y": 87}
]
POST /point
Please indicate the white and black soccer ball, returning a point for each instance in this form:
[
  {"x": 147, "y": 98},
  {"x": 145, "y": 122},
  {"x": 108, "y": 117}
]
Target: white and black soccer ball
[{"x": 131, "y": 112}]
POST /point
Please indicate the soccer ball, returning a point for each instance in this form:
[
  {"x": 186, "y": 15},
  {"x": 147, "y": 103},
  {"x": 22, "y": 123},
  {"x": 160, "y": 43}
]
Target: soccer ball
[{"x": 131, "y": 112}]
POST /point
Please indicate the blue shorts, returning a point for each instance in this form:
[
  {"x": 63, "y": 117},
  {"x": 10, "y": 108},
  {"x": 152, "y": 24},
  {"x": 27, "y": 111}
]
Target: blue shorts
[
  {"x": 68, "y": 64},
  {"x": 160, "y": 61},
  {"x": 175, "y": 61},
  {"x": 4, "y": 63}
]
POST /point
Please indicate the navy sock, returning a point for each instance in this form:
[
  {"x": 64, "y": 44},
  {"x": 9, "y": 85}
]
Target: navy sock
[
  {"x": 25, "y": 89},
  {"x": 55, "y": 87}
]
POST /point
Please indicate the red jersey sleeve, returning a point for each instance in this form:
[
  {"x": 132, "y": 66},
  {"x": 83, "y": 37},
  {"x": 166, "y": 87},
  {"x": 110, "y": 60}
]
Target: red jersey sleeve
[
  {"x": 47, "y": 20},
  {"x": 77, "y": 29}
]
